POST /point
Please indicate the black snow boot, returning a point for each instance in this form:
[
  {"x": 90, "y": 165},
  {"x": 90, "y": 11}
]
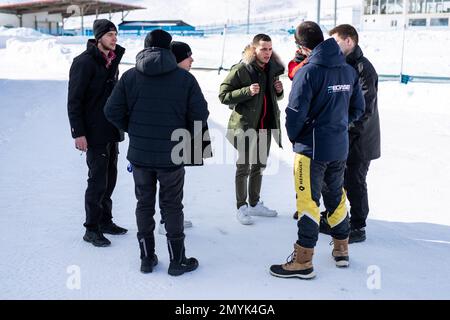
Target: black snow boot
[
  {"x": 179, "y": 264},
  {"x": 112, "y": 228},
  {"x": 148, "y": 257},
  {"x": 96, "y": 238},
  {"x": 357, "y": 235}
]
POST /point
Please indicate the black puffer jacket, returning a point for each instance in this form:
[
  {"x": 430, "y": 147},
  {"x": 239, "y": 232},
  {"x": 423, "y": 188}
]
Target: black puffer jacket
[
  {"x": 365, "y": 135},
  {"x": 153, "y": 100},
  {"x": 90, "y": 85}
]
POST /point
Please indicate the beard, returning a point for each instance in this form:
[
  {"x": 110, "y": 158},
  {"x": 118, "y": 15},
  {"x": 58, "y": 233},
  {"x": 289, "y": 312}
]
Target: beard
[{"x": 108, "y": 46}]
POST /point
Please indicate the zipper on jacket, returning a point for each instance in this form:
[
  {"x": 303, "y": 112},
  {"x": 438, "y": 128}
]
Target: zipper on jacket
[
  {"x": 314, "y": 144},
  {"x": 264, "y": 111}
]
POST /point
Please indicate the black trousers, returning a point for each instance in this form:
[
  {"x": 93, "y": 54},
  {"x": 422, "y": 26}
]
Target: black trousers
[
  {"x": 356, "y": 187},
  {"x": 102, "y": 177},
  {"x": 171, "y": 183}
]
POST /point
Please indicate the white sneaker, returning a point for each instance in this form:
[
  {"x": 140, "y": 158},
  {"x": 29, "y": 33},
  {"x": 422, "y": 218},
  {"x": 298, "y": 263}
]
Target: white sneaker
[
  {"x": 261, "y": 210},
  {"x": 162, "y": 228},
  {"x": 243, "y": 217}
]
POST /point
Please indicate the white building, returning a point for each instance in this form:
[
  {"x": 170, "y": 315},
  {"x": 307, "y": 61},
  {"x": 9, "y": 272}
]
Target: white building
[{"x": 392, "y": 14}]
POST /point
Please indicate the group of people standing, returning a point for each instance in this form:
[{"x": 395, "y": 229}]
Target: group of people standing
[{"x": 332, "y": 109}]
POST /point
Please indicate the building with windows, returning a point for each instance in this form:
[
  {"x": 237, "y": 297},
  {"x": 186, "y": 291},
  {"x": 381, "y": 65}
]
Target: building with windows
[
  {"x": 49, "y": 16},
  {"x": 392, "y": 14},
  {"x": 175, "y": 27}
]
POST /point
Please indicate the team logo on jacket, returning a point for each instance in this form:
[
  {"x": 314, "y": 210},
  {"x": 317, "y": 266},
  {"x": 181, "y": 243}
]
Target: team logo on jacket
[{"x": 339, "y": 88}]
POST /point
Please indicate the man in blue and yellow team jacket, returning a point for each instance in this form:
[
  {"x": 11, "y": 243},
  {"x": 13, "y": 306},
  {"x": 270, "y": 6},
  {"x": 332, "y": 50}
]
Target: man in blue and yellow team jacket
[{"x": 325, "y": 99}]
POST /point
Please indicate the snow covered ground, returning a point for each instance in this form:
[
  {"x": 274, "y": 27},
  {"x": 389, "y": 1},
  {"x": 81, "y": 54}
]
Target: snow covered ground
[{"x": 43, "y": 179}]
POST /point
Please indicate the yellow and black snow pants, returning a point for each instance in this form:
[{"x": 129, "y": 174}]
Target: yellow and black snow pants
[{"x": 310, "y": 175}]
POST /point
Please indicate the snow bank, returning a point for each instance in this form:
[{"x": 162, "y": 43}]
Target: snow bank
[
  {"x": 41, "y": 58},
  {"x": 20, "y": 32},
  {"x": 24, "y": 34}
]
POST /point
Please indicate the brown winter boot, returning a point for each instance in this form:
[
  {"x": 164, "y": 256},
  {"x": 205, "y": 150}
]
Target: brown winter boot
[
  {"x": 340, "y": 253},
  {"x": 300, "y": 266}
]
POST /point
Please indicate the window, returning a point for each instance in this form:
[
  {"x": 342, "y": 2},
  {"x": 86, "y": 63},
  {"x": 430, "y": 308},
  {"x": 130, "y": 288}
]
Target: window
[
  {"x": 431, "y": 7},
  {"x": 417, "y": 22},
  {"x": 446, "y": 6},
  {"x": 383, "y": 6},
  {"x": 367, "y": 6},
  {"x": 397, "y": 7},
  {"x": 439, "y": 22},
  {"x": 417, "y": 6},
  {"x": 375, "y": 6},
  {"x": 390, "y": 6}
]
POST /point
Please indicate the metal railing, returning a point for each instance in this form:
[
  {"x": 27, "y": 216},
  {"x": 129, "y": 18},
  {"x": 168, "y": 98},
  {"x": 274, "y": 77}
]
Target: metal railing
[{"x": 403, "y": 78}]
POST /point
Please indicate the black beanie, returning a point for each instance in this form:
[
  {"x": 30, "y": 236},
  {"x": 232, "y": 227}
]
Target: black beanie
[
  {"x": 308, "y": 34},
  {"x": 102, "y": 26},
  {"x": 158, "y": 38},
  {"x": 181, "y": 50}
]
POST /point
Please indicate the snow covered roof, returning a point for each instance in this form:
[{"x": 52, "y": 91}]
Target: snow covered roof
[{"x": 64, "y": 7}]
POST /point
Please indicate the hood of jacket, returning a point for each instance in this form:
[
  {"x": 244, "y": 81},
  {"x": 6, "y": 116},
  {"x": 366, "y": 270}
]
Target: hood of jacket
[
  {"x": 327, "y": 54},
  {"x": 154, "y": 61},
  {"x": 275, "y": 63}
]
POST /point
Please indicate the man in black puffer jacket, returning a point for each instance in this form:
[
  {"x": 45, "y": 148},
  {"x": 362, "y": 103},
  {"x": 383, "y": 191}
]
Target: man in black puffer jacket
[
  {"x": 92, "y": 78},
  {"x": 153, "y": 102}
]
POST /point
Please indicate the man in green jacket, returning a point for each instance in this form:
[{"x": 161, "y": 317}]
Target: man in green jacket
[{"x": 252, "y": 89}]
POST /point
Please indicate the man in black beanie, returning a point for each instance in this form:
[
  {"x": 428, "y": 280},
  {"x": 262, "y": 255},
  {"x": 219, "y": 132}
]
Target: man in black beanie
[
  {"x": 325, "y": 100},
  {"x": 93, "y": 75},
  {"x": 183, "y": 54},
  {"x": 166, "y": 101},
  {"x": 102, "y": 26}
]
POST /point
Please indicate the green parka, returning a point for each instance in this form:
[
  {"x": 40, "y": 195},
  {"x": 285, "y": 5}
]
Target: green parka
[{"x": 235, "y": 92}]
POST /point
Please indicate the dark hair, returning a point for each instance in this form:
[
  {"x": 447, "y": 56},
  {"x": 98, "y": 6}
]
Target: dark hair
[
  {"x": 308, "y": 34},
  {"x": 345, "y": 31},
  {"x": 158, "y": 38},
  {"x": 260, "y": 37}
]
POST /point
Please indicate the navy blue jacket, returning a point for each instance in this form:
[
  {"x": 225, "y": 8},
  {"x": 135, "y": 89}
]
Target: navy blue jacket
[
  {"x": 325, "y": 98},
  {"x": 153, "y": 100}
]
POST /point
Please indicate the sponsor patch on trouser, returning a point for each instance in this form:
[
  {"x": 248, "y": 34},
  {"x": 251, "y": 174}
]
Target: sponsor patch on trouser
[{"x": 306, "y": 205}]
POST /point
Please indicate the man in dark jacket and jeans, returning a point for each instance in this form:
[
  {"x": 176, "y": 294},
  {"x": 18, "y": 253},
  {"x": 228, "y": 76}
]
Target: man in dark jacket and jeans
[
  {"x": 364, "y": 135},
  {"x": 152, "y": 102},
  {"x": 325, "y": 98},
  {"x": 92, "y": 78}
]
